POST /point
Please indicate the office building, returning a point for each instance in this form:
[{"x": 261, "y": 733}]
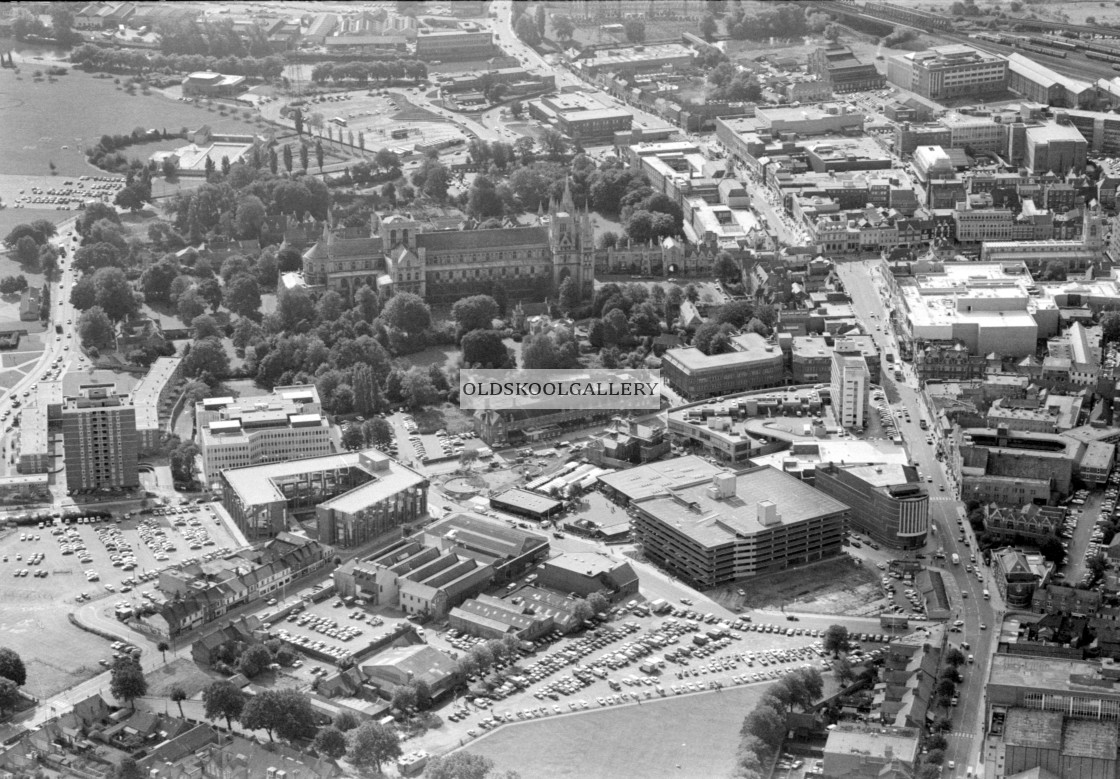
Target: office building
[
  {"x": 948, "y": 362},
  {"x": 1055, "y": 148},
  {"x": 754, "y": 363},
  {"x": 100, "y": 440},
  {"x": 851, "y": 386},
  {"x": 948, "y": 72},
  {"x": 1010, "y": 467},
  {"x": 634, "y": 59},
  {"x": 836, "y": 65},
  {"x": 286, "y": 425},
  {"x": 889, "y": 504},
  {"x": 738, "y": 525},
  {"x": 462, "y": 44},
  {"x": 355, "y": 497}
]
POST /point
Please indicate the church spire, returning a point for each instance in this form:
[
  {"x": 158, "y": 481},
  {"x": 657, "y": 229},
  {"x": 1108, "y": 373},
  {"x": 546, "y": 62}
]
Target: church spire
[{"x": 568, "y": 203}]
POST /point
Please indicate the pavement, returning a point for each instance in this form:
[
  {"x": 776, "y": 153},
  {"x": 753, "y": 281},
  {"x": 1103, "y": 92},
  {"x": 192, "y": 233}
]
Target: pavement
[{"x": 967, "y": 737}]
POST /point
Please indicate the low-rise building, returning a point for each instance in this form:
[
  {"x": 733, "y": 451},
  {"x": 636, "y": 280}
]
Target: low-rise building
[
  {"x": 209, "y": 84},
  {"x": 355, "y": 496},
  {"x": 754, "y": 363},
  {"x": 583, "y": 573},
  {"x": 1017, "y": 575},
  {"x": 463, "y": 44},
  {"x": 842, "y": 71}
]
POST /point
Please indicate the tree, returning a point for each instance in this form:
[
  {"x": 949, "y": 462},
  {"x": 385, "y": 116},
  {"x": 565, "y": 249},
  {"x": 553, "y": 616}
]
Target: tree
[
  {"x": 526, "y": 30},
  {"x": 843, "y": 670},
  {"x": 371, "y": 744},
  {"x": 156, "y": 280},
  {"x": 484, "y": 348},
  {"x": 243, "y": 296},
  {"x": 833, "y": 32},
  {"x": 353, "y": 438},
  {"x": 1110, "y": 326},
  {"x": 287, "y": 151},
  {"x": 1098, "y": 564},
  {"x": 11, "y": 666},
  {"x": 836, "y": 639},
  {"x": 114, "y": 294},
  {"x": 225, "y": 700},
  {"x": 418, "y": 389},
  {"x": 204, "y": 326},
  {"x": 378, "y": 432},
  {"x": 206, "y": 356},
  {"x": 767, "y": 724},
  {"x": 177, "y": 694},
  {"x": 190, "y": 305},
  {"x": 404, "y": 698},
  {"x": 254, "y": 660},
  {"x": 128, "y": 768},
  {"x": 407, "y": 312},
  {"x": 345, "y": 721},
  {"x": 954, "y": 658},
  {"x": 95, "y": 328},
  {"x": 330, "y": 741},
  {"x": 563, "y": 27},
  {"x": 127, "y": 682},
  {"x": 319, "y": 154},
  {"x": 459, "y": 765},
  {"x": 183, "y": 460},
  {"x": 727, "y": 269},
  {"x": 287, "y": 713},
  {"x": 477, "y": 312},
  {"x": 635, "y": 30},
  {"x": 304, "y": 157},
  {"x": 708, "y": 27}
]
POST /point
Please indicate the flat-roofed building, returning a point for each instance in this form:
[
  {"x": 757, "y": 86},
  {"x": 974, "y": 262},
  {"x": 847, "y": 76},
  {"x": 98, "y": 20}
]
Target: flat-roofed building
[
  {"x": 1055, "y": 148},
  {"x": 356, "y": 496},
  {"x": 1051, "y": 742},
  {"x": 888, "y": 502},
  {"x": 100, "y": 442},
  {"x": 285, "y": 425},
  {"x": 738, "y": 525},
  {"x": 754, "y": 364},
  {"x": 949, "y": 71},
  {"x": 839, "y": 67},
  {"x": 490, "y": 617},
  {"x": 152, "y": 395},
  {"x": 655, "y": 478},
  {"x": 208, "y": 84},
  {"x": 1096, "y": 462},
  {"x": 441, "y": 45},
  {"x": 851, "y": 386},
  {"x": 856, "y": 751}
]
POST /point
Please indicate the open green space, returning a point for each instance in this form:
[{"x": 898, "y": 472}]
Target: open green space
[
  {"x": 35, "y": 134},
  {"x": 686, "y": 737}
]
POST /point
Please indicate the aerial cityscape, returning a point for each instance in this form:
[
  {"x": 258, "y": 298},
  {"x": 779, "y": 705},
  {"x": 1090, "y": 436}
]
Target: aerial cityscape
[{"x": 830, "y": 289}]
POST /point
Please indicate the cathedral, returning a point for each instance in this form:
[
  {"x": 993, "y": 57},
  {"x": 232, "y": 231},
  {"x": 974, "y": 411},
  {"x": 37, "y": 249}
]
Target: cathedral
[{"x": 398, "y": 253}]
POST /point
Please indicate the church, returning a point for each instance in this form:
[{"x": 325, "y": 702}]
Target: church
[{"x": 399, "y": 254}]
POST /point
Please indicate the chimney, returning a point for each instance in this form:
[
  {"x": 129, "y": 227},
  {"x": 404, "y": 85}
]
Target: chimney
[{"x": 768, "y": 513}]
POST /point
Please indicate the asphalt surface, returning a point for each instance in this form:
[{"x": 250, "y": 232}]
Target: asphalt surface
[{"x": 869, "y": 296}]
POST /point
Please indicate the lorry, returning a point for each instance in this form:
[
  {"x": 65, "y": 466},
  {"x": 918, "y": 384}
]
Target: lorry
[{"x": 956, "y": 559}]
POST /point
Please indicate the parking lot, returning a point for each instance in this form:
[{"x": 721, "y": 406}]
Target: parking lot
[
  {"x": 1083, "y": 530},
  {"x": 637, "y": 658}
]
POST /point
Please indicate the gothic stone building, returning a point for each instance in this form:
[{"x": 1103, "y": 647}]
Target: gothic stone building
[{"x": 397, "y": 253}]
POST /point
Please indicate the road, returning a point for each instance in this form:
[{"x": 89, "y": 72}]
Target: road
[{"x": 980, "y": 617}]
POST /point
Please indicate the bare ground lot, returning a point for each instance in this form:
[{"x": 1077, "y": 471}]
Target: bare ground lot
[
  {"x": 834, "y": 587},
  {"x": 685, "y": 737}
]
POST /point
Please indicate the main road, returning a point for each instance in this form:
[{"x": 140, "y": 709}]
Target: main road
[{"x": 872, "y": 302}]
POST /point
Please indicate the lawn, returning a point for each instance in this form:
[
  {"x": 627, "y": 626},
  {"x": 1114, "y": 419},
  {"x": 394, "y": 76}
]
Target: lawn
[
  {"x": 41, "y": 117},
  {"x": 182, "y": 673},
  {"x": 691, "y": 736}
]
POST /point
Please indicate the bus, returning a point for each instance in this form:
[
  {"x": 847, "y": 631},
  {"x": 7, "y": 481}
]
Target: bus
[{"x": 339, "y": 121}]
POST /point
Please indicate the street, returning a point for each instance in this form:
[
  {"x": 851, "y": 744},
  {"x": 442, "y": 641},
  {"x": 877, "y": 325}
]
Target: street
[{"x": 965, "y": 742}]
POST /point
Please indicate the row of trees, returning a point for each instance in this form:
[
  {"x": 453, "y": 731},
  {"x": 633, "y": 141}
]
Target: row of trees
[
  {"x": 103, "y": 59},
  {"x": 764, "y": 728},
  {"x": 367, "y": 71}
]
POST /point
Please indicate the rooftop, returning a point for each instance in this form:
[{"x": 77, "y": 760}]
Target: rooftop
[
  {"x": 655, "y": 478},
  {"x": 1043, "y": 75},
  {"x": 712, "y": 521},
  {"x": 878, "y": 742}
]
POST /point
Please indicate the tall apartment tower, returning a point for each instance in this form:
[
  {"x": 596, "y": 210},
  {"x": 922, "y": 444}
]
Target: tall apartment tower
[
  {"x": 100, "y": 439},
  {"x": 851, "y": 386}
]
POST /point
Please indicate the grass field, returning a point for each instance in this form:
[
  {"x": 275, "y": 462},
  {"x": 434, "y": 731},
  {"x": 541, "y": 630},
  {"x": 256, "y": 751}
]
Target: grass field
[
  {"x": 693, "y": 737},
  {"x": 41, "y": 117}
]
